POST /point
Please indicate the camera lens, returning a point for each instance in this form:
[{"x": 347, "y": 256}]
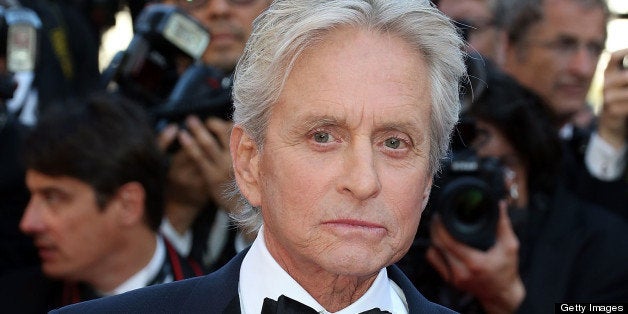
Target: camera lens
[
  {"x": 470, "y": 207},
  {"x": 468, "y": 210}
]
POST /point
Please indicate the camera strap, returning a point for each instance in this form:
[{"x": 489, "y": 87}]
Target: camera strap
[{"x": 58, "y": 33}]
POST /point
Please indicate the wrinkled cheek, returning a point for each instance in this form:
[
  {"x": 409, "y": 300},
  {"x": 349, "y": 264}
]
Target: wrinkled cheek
[
  {"x": 279, "y": 204},
  {"x": 408, "y": 225}
]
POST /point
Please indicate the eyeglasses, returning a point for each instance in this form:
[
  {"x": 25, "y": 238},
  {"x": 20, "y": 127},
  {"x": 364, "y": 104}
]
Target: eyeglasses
[
  {"x": 468, "y": 27},
  {"x": 196, "y": 4},
  {"x": 568, "y": 46}
]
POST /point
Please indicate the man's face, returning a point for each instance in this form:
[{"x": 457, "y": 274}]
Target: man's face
[
  {"x": 491, "y": 142},
  {"x": 478, "y": 15},
  {"x": 73, "y": 235},
  {"x": 229, "y": 23},
  {"x": 559, "y": 55},
  {"x": 343, "y": 174},
  {"x": 185, "y": 182}
]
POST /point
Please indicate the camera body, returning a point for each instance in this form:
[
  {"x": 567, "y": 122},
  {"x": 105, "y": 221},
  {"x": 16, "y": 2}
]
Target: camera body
[
  {"x": 162, "y": 68},
  {"x": 165, "y": 38},
  {"x": 466, "y": 196}
]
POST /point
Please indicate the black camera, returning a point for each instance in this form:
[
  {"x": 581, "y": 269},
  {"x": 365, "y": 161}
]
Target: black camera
[
  {"x": 466, "y": 196},
  {"x": 201, "y": 90},
  {"x": 161, "y": 68}
]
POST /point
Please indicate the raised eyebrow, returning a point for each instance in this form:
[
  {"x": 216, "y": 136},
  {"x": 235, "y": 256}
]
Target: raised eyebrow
[{"x": 314, "y": 121}]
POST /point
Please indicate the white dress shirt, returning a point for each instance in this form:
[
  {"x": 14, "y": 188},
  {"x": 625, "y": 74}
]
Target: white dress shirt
[
  {"x": 262, "y": 277},
  {"x": 603, "y": 160},
  {"x": 182, "y": 243}
]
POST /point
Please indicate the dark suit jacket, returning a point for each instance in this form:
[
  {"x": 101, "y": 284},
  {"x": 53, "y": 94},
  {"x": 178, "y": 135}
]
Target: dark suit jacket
[
  {"x": 215, "y": 293},
  {"x": 575, "y": 252}
]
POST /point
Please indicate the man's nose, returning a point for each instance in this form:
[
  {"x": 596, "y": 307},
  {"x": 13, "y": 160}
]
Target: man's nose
[
  {"x": 583, "y": 62},
  {"x": 214, "y": 8},
  {"x": 32, "y": 219},
  {"x": 360, "y": 176}
]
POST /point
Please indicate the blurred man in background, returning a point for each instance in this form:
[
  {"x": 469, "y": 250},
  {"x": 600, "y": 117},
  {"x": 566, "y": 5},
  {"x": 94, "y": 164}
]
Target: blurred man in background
[
  {"x": 481, "y": 22},
  {"x": 64, "y": 66},
  {"x": 553, "y": 48},
  {"x": 96, "y": 179}
]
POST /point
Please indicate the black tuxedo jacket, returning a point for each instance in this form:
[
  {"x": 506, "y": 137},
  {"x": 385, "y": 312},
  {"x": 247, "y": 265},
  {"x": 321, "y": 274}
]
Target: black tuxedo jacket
[{"x": 215, "y": 293}]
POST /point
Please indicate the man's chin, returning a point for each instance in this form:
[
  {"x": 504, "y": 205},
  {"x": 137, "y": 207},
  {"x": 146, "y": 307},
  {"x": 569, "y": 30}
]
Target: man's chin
[
  {"x": 225, "y": 59},
  {"x": 362, "y": 263},
  {"x": 565, "y": 111},
  {"x": 54, "y": 271}
]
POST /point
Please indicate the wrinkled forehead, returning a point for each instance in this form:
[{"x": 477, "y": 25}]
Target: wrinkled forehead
[{"x": 361, "y": 70}]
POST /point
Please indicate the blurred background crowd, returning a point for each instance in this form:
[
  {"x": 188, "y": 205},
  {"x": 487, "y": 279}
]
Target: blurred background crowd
[{"x": 115, "y": 169}]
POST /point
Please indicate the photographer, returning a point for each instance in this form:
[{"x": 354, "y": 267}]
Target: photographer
[
  {"x": 195, "y": 135},
  {"x": 96, "y": 181},
  {"x": 481, "y": 22},
  {"x": 549, "y": 246},
  {"x": 203, "y": 166},
  {"x": 553, "y": 48}
]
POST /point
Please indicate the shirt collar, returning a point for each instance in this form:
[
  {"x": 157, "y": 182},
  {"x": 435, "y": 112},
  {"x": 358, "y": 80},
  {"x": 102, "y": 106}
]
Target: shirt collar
[
  {"x": 146, "y": 274},
  {"x": 182, "y": 243},
  {"x": 265, "y": 278}
]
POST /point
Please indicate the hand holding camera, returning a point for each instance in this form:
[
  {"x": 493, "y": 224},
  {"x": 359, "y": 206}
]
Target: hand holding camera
[
  {"x": 485, "y": 274},
  {"x": 613, "y": 126},
  {"x": 203, "y": 163}
]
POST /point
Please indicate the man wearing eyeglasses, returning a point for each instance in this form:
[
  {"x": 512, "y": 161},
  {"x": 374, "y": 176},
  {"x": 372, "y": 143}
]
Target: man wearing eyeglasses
[
  {"x": 196, "y": 210},
  {"x": 229, "y": 23},
  {"x": 553, "y": 48},
  {"x": 480, "y": 22}
]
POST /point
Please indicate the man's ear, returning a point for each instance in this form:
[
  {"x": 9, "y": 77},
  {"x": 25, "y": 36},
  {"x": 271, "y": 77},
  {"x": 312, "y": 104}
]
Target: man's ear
[
  {"x": 131, "y": 196},
  {"x": 246, "y": 158}
]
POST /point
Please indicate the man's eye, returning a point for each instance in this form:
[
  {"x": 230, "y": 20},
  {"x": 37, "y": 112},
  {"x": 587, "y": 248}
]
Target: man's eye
[
  {"x": 322, "y": 137},
  {"x": 52, "y": 197},
  {"x": 393, "y": 143}
]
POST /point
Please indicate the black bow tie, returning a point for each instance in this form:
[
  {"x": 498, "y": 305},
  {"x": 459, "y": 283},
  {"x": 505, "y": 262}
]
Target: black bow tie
[{"x": 285, "y": 305}]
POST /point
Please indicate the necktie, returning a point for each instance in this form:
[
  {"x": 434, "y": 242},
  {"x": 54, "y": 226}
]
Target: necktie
[{"x": 285, "y": 305}]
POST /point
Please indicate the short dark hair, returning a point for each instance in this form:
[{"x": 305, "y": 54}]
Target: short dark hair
[
  {"x": 523, "y": 118},
  {"x": 103, "y": 140},
  {"x": 520, "y": 15}
]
